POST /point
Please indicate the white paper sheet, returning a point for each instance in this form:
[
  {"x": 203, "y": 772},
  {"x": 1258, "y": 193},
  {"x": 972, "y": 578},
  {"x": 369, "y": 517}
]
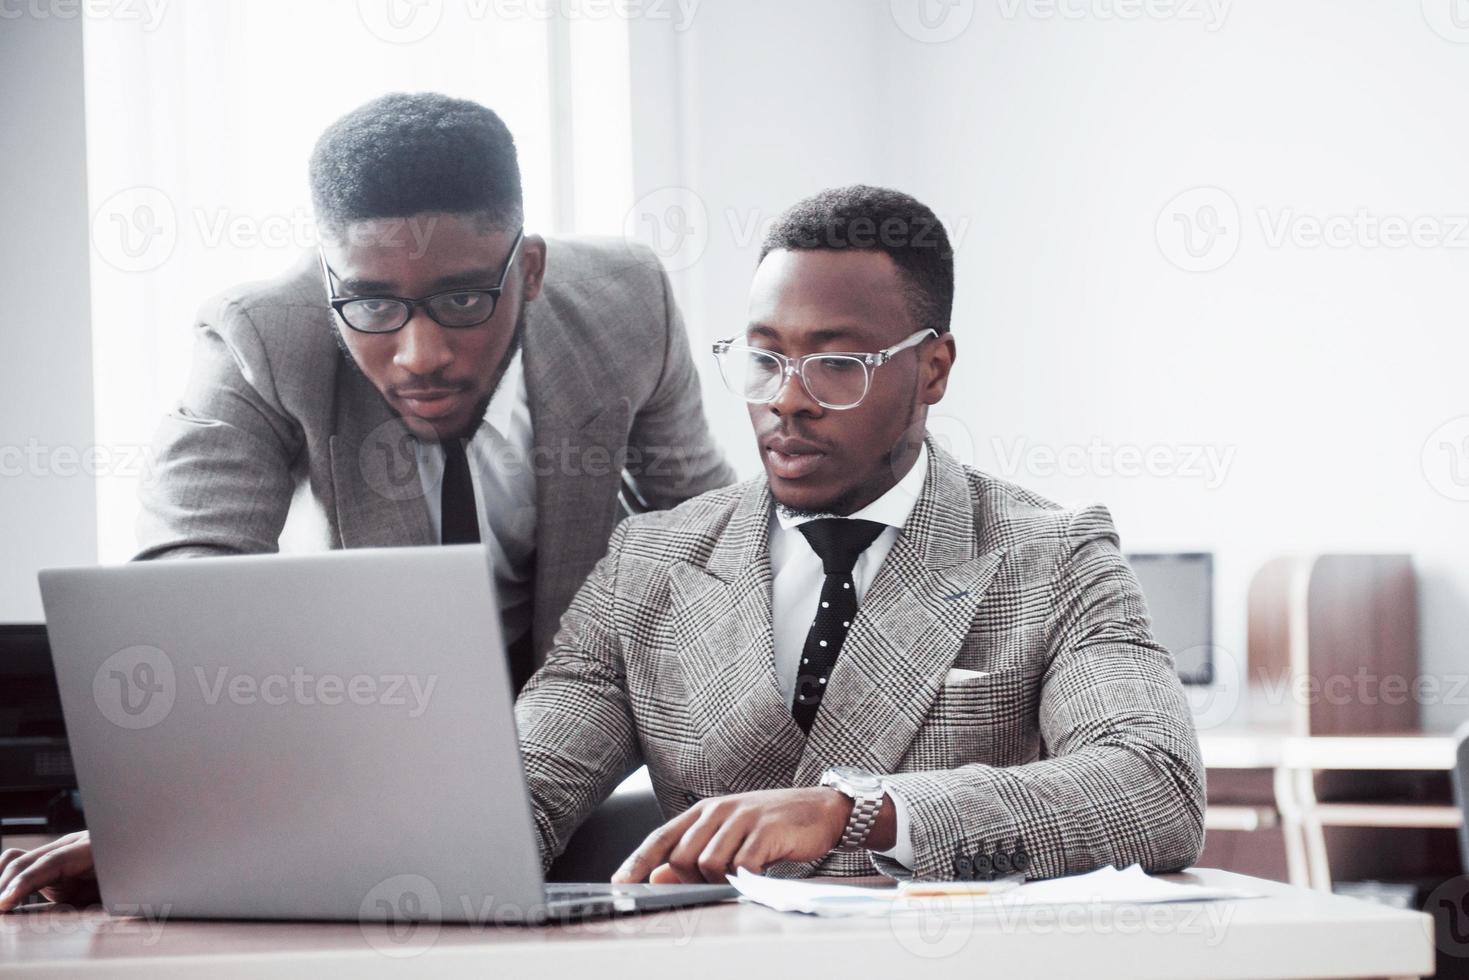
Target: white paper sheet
[{"x": 1104, "y": 886}]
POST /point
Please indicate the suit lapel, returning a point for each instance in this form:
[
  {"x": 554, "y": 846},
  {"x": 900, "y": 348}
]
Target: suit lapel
[
  {"x": 907, "y": 633},
  {"x": 577, "y": 432},
  {"x": 378, "y": 492},
  {"x": 721, "y": 618}
]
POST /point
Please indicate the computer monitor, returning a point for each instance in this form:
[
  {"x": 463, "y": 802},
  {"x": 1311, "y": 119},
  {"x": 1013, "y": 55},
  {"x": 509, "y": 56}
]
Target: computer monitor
[
  {"x": 1179, "y": 588},
  {"x": 35, "y": 766}
]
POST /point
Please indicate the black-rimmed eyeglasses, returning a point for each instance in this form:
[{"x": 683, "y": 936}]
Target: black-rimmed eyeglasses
[{"x": 453, "y": 308}]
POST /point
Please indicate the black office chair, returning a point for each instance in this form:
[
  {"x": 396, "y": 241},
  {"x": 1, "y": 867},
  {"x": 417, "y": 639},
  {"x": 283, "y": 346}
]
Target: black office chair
[{"x": 608, "y": 836}]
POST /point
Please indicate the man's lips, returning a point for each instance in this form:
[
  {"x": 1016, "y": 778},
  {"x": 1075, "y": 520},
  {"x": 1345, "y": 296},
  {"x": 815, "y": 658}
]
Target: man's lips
[
  {"x": 792, "y": 459},
  {"x": 430, "y": 403}
]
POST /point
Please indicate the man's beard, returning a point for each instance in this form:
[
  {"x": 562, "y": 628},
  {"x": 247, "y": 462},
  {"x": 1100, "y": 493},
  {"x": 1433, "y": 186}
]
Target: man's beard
[{"x": 477, "y": 416}]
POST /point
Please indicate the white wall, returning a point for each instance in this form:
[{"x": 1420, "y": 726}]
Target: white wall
[
  {"x": 1053, "y": 146},
  {"x": 48, "y": 504}
]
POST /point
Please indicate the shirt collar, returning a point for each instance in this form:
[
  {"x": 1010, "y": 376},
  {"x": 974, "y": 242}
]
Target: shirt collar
[
  {"x": 892, "y": 508},
  {"x": 507, "y": 395}
]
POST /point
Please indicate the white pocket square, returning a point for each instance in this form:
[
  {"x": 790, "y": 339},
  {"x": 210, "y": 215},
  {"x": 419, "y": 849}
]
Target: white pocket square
[{"x": 959, "y": 674}]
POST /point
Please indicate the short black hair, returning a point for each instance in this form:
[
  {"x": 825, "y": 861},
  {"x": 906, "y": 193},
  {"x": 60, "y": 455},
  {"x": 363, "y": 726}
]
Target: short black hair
[
  {"x": 408, "y": 153},
  {"x": 884, "y": 220}
]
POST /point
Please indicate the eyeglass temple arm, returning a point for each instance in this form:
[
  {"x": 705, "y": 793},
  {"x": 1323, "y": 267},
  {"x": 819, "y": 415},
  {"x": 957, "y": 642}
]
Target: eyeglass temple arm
[{"x": 886, "y": 355}]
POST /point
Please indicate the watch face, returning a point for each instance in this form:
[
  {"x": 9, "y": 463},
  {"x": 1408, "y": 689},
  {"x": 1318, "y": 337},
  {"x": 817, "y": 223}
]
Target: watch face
[{"x": 857, "y": 780}]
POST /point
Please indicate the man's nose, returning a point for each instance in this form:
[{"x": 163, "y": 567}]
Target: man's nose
[
  {"x": 793, "y": 399},
  {"x": 422, "y": 346}
]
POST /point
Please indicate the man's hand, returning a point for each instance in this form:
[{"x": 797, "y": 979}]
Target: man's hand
[
  {"x": 61, "y": 871},
  {"x": 715, "y": 837}
]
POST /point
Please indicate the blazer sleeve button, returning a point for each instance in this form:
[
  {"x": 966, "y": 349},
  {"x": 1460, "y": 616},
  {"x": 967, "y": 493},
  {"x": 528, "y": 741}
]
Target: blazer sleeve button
[
  {"x": 1002, "y": 862},
  {"x": 1020, "y": 861},
  {"x": 983, "y": 866},
  {"x": 963, "y": 868}
]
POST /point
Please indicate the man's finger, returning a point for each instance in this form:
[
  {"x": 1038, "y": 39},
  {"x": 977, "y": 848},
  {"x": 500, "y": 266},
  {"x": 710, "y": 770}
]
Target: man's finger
[
  {"x": 654, "y": 849},
  {"x": 684, "y": 858},
  {"x": 754, "y": 853},
  {"x": 14, "y": 861},
  {"x": 715, "y": 861},
  {"x": 43, "y": 871}
]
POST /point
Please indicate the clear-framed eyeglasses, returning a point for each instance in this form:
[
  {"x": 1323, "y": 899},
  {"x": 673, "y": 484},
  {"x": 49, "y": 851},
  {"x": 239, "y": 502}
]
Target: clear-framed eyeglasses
[{"x": 835, "y": 380}]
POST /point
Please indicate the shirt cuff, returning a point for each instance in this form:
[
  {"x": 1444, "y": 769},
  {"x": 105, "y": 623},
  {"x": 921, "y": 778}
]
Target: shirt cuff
[{"x": 902, "y": 849}]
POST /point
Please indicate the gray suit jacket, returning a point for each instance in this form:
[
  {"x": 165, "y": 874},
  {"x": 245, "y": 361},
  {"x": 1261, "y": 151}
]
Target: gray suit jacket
[
  {"x": 274, "y": 412},
  {"x": 1076, "y": 746}
]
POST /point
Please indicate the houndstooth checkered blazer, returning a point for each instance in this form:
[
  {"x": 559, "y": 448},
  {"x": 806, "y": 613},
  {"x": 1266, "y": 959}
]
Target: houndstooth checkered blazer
[{"x": 1076, "y": 744}]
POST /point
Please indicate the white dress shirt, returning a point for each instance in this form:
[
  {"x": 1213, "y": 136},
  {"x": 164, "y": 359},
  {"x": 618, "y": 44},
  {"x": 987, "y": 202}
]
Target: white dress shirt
[
  {"x": 798, "y": 575},
  {"x": 504, "y": 494}
]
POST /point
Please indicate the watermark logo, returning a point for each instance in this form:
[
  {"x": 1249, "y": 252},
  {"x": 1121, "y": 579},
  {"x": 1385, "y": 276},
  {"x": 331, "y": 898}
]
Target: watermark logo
[
  {"x": 1445, "y": 459},
  {"x": 388, "y": 462},
  {"x": 136, "y": 229},
  {"x": 135, "y": 687},
  {"x": 400, "y": 21},
  {"x": 932, "y": 21},
  {"x": 1449, "y": 19},
  {"x": 1183, "y": 461},
  {"x": 935, "y": 928},
  {"x": 1199, "y": 230},
  {"x": 401, "y": 916},
  {"x": 1210, "y": 13},
  {"x": 147, "y": 13},
  {"x": 411, "y": 691},
  {"x": 1449, "y": 906},
  {"x": 1215, "y": 704},
  {"x": 673, "y": 222}
]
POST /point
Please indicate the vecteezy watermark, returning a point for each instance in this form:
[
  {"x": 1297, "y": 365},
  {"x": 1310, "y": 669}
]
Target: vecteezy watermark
[
  {"x": 403, "y": 915},
  {"x": 1449, "y": 906},
  {"x": 1207, "y": 463},
  {"x": 147, "y": 14},
  {"x": 1449, "y": 19},
  {"x": 304, "y": 688},
  {"x": 1214, "y": 704},
  {"x": 38, "y": 459},
  {"x": 1210, "y": 13},
  {"x": 944, "y": 927},
  {"x": 137, "y": 687},
  {"x": 138, "y": 229},
  {"x": 1364, "y": 687},
  {"x": 932, "y": 21},
  {"x": 1445, "y": 459},
  {"x": 678, "y": 226},
  {"x": 398, "y": 466},
  {"x": 673, "y": 222},
  {"x": 410, "y": 21},
  {"x": 1201, "y": 229},
  {"x": 145, "y": 921}
]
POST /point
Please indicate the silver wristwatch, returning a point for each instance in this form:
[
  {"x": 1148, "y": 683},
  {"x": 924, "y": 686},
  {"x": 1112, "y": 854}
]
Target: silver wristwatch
[{"x": 865, "y": 789}]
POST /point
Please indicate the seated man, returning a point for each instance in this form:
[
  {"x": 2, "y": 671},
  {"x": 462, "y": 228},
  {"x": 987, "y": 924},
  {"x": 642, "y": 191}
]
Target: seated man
[
  {"x": 872, "y": 656},
  {"x": 873, "y": 650}
]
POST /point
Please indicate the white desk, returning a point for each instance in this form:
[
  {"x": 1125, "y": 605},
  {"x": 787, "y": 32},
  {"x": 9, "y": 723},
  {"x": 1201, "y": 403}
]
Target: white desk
[
  {"x": 1294, "y": 760},
  {"x": 1291, "y": 932}
]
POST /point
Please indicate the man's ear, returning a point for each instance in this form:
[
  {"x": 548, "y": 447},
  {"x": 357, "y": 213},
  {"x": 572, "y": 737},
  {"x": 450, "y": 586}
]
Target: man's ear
[
  {"x": 533, "y": 265},
  {"x": 938, "y": 360}
]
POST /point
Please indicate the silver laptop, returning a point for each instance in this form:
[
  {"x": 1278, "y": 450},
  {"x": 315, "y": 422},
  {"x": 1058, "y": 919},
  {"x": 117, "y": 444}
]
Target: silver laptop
[{"x": 306, "y": 737}]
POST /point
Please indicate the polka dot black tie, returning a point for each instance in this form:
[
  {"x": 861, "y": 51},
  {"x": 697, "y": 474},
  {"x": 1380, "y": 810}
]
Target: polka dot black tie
[{"x": 838, "y": 542}]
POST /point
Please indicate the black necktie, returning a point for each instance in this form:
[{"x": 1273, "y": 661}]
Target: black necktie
[
  {"x": 838, "y": 542},
  {"x": 459, "y": 518}
]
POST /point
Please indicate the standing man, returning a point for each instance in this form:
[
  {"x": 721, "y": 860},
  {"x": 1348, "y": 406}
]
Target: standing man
[{"x": 436, "y": 374}]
